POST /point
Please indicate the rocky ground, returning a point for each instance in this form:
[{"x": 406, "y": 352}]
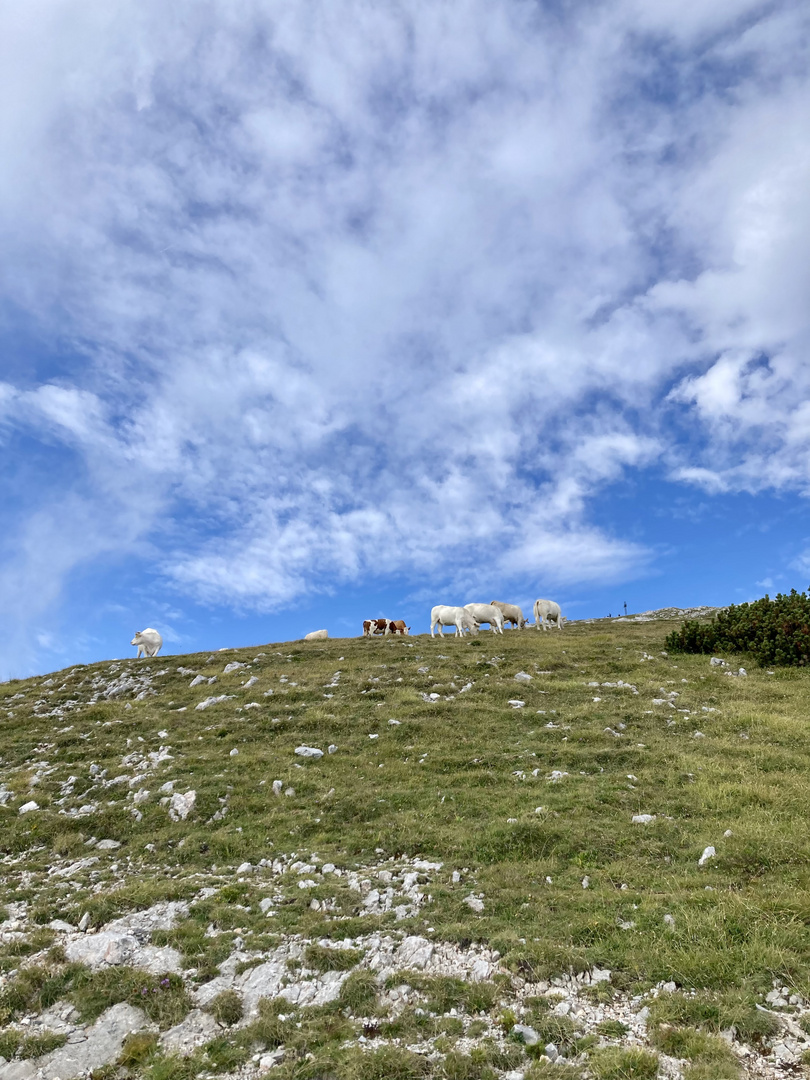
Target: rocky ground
[{"x": 138, "y": 941}]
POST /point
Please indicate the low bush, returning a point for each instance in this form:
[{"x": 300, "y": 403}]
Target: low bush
[
  {"x": 226, "y": 1007},
  {"x": 771, "y": 631},
  {"x": 615, "y": 1064}
]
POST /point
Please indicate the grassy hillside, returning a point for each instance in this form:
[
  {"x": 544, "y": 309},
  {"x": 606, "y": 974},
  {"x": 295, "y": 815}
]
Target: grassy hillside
[{"x": 529, "y": 810}]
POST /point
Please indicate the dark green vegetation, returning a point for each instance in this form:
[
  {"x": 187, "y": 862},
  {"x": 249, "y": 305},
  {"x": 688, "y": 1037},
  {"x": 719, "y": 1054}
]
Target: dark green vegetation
[
  {"x": 717, "y": 760},
  {"x": 773, "y": 632}
]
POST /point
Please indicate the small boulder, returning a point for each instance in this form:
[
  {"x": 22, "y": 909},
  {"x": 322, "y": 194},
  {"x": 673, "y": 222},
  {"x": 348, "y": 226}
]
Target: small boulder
[
  {"x": 708, "y": 853},
  {"x": 180, "y": 806},
  {"x": 309, "y": 752}
]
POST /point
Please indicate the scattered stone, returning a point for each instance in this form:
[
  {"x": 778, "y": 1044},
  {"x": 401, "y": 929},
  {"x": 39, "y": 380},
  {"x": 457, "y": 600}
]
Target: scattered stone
[
  {"x": 526, "y": 1034},
  {"x": 234, "y": 753},
  {"x": 523, "y": 676},
  {"x": 209, "y": 701},
  {"x": 643, "y": 819},
  {"x": 474, "y": 903},
  {"x": 669, "y": 920},
  {"x": 108, "y": 845},
  {"x": 309, "y": 752},
  {"x": 26, "y": 808},
  {"x": 84, "y": 922},
  {"x": 180, "y": 806},
  {"x": 234, "y": 665},
  {"x": 515, "y": 703},
  {"x": 708, "y": 853}
]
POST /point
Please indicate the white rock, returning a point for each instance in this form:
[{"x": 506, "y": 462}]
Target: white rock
[
  {"x": 556, "y": 776},
  {"x": 414, "y": 952},
  {"x": 523, "y": 676},
  {"x": 233, "y": 666},
  {"x": 669, "y": 920},
  {"x": 251, "y": 682},
  {"x": 62, "y": 926},
  {"x": 110, "y": 948},
  {"x": 515, "y": 703},
  {"x": 277, "y": 786},
  {"x": 708, "y": 853},
  {"x": 101, "y": 1045},
  {"x": 26, "y": 808},
  {"x": 474, "y": 903},
  {"x": 234, "y": 753},
  {"x": 244, "y": 868},
  {"x": 197, "y": 680},
  {"x": 209, "y": 701},
  {"x": 551, "y": 1051},
  {"x": 308, "y": 752},
  {"x": 108, "y": 845},
  {"x": 332, "y": 748},
  {"x": 643, "y": 819},
  {"x": 196, "y": 1029},
  {"x": 528, "y": 1035},
  {"x": 180, "y": 806}
]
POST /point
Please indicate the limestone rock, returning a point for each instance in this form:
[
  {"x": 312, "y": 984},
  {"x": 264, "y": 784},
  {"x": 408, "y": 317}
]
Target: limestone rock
[
  {"x": 198, "y": 1028},
  {"x": 101, "y": 1047},
  {"x": 309, "y": 752},
  {"x": 180, "y": 806},
  {"x": 414, "y": 952}
]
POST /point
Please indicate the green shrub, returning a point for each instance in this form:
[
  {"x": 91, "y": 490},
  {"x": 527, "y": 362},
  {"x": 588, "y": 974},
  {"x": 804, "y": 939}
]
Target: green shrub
[
  {"x": 771, "y": 631},
  {"x": 320, "y": 958},
  {"x": 613, "y": 1063},
  {"x": 138, "y": 1047},
  {"x": 226, "y": 1007},
  {"x": 17, "y": 1043},
  {"x": 358, "y": 993}
]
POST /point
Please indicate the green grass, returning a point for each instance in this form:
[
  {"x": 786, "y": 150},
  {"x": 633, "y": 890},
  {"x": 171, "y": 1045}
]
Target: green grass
[
  {"x": 612, "y": 1063},
  {"x": 15, "y": 1043},
  {"x": 452, "y": 782}
]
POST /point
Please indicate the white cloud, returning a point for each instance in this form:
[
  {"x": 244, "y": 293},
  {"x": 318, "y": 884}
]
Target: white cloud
[{"x": 363, "y": 290}]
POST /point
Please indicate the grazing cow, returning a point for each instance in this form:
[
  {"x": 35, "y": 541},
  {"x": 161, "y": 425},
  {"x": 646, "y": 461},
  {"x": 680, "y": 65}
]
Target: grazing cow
[
  {"x": 547, "y": 609},
  {"x": 367, "y": 625},
  {"x": 377, "y": 626},
  {"x": 316, "y": 635},
  {"x": 398, "y": 627},
  {"x": 511, "y": 614},
  {"x": 487, "y": 613},
  {"x": 442, "y": 615},
  {"x": 149, "y": 642}
]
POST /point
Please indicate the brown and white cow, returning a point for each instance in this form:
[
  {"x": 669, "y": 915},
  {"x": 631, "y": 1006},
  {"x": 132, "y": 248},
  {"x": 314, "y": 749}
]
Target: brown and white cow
[
  {"x": 398, "y": 627},
  {"x": 371, "y": 627}
]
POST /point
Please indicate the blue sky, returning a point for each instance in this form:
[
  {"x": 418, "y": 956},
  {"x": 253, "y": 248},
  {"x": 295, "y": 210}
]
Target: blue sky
[{"x": 315, "y": 311}]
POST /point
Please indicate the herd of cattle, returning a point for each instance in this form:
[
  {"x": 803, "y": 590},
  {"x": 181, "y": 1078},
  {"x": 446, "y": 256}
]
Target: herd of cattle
[{"x": 470, "y": 618}]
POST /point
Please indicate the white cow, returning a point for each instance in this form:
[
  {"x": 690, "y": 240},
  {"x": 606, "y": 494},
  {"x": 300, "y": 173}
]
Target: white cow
[
  {"x": 487, "y": 613},
  {"x": 511, "y": 613},
  {"x": 316, "y": 635},
  {"x": 547, "y": 609},
  {"x": 149, "y": 642},
  {"x": 441, "y": 615}
]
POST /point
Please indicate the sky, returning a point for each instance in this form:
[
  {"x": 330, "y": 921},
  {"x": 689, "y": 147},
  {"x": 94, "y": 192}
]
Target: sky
[{"x": 319, "y": 310}]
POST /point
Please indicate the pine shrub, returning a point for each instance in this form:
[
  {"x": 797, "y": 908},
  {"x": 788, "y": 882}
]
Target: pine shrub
[{"x": 771, "y": 631}]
